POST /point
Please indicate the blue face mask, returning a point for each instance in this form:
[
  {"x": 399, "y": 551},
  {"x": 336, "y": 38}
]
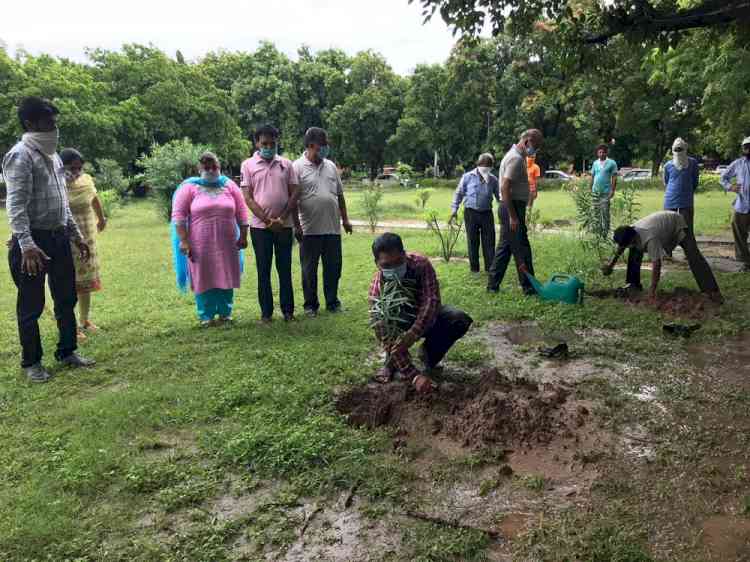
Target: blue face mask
[
  {"x": 392, "y": 273},
  {"x": 324, "y": 152},
  {"x": 267, "y": 153},
  {"x": 530, "y": 150}
]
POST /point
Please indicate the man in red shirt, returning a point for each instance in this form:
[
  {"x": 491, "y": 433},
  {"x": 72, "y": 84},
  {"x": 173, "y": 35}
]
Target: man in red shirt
[{"x": 425, "y": 316}]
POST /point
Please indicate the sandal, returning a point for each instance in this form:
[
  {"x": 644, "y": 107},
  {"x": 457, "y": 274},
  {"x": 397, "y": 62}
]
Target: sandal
[{"x": 89, "y": 326}]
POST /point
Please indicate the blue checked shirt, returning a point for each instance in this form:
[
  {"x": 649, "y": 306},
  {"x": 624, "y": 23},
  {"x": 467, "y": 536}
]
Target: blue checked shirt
[
  {"x": 739, "y": 169},
  {"x": 475, "y": 193}
]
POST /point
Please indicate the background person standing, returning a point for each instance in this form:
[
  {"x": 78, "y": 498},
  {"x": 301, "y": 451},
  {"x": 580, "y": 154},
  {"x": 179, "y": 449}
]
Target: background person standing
[
  {"x": 476, "y": 190},
  {"x": 514, "y": 193},
  {"x": 534, "y": 172},
  {"x": 89, "y": 216},
  {"x": 740, "y": 170},
  {"x": 270, "y": 187},
  {"x": 42, "y": 228},
  {"x": 321, "y": 212},
  {"x": 681, "y": 176},
  {"x": 603, "y": 185}
]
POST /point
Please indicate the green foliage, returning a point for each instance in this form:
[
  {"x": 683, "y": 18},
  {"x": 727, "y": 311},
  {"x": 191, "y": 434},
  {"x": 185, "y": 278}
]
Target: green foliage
[
  {"x": 422, "y": 196},
  {"x": 110, "y": 177},
  {"x": 447, "y": 233},
  {"x": 404, "y": 171},
  {"x": 392, "y": 312},
  {"x": 709, "y": 182},
  {"x": 372, "y": 205},
  {"x": 109, "y": 199},
  {"x": 166, "y": 168}
]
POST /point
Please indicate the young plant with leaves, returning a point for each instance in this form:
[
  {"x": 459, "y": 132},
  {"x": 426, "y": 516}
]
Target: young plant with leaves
[
  {"x": 448, "y": 233},
  {"x": 392, "y": 312},
  {"x": 372, "y": 204}
]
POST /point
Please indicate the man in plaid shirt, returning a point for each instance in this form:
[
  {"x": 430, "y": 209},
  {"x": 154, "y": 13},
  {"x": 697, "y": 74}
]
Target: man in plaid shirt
[{"x": 440, "y": 326}]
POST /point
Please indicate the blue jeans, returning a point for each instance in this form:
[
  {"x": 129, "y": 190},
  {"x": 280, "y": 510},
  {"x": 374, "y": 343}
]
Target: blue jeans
[{"x": 213, "y": 302}]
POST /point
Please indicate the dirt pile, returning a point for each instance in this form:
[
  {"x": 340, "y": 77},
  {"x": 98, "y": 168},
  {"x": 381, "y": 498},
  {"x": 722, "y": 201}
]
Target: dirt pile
[
  {"x": 680, "y": 302},
  {"x": 494, "y": 411}
]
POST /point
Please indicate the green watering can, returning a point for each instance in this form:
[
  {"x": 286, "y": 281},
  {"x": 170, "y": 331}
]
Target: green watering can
[{"x": 561, "y": 288}]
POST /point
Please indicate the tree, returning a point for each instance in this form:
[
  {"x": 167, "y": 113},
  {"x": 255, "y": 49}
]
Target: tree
[{"x": 588, "y": 22}]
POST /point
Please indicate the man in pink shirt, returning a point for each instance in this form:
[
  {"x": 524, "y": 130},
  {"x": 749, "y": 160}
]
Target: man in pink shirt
[{"x": 269, "y": 183}]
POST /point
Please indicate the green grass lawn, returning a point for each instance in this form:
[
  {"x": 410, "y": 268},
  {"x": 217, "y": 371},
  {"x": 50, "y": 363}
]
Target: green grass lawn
[
  {"x": 171, "y": 412},
  {"x": 712, "y": 209}
]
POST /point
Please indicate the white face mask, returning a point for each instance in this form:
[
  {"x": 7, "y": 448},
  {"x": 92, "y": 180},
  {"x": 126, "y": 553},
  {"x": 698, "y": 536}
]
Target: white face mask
[
  {"x": 485, "y": 171},
  {"x": 46, "y": 142},
  {"x": 210, "y": 177}
]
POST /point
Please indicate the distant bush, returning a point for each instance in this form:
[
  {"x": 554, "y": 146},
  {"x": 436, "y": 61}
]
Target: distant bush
[
  {"x": 110, "y": 199},
  {"x": 166, "y": 168},
  {"x": 709, "y": 182},
  {"x": 437, "y": 183},
  {"x": 110, "y": 177}
]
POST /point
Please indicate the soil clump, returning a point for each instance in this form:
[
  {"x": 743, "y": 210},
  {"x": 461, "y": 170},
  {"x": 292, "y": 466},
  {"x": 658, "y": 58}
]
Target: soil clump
[{"x": 681, "y": 302}]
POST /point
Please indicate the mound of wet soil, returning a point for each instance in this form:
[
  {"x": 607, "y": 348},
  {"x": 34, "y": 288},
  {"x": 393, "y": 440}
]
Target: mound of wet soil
[
  {"x": 681, "y": 302},
  {"x": 493, "y": 411}
]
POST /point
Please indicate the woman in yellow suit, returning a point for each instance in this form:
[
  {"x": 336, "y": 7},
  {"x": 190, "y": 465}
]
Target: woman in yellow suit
[{"x": 88, "y": 214}]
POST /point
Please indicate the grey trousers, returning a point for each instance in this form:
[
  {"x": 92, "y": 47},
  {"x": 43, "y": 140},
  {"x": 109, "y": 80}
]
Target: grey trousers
[{"x": 699, "y": 267}]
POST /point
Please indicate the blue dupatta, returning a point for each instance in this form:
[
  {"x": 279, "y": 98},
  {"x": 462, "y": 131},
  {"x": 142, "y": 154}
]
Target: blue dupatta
[{"x": 179, "y": 260}]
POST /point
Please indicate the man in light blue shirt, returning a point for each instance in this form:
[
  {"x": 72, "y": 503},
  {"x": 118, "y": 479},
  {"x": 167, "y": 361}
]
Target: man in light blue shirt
[
  {"x": 476, "y": 190},
  {"x": 603, "y": 184},
  {"x": 740, "y": 170}
]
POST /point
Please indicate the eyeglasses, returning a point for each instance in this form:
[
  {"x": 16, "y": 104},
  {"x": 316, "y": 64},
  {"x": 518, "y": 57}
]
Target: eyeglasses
[{"x": 678, "y": 149}]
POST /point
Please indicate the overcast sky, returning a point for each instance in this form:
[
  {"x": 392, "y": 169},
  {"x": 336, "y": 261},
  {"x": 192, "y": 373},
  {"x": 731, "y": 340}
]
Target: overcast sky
[{"x": 392, "y": 27}]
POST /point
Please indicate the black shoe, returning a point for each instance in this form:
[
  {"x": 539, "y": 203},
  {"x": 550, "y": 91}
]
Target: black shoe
[
  {"x": 494, "y": 290},
  {"x": 529, "y": 291},
  {"x": 75, "y": 360},
  {"x": 37, "y": 374},
  {"x": 679, "y": 330},
  {"x": 311, "y": 312},
  {"x": 289, "y": 317},
  {"x": 335, "y": 309},
  {"x": 560, "y": 351}
]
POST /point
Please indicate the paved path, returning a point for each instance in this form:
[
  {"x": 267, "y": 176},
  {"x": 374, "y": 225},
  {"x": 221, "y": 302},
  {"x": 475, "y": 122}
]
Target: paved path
[{"x": 421, "y": 225}]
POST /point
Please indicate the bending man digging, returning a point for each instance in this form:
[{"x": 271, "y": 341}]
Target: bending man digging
[
  {"x": 658, "y": 234},
  {"x": 405, "y": 307}
]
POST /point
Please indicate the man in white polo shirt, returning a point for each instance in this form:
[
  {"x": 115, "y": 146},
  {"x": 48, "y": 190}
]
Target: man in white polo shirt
[{"x": 321, "y": 212}]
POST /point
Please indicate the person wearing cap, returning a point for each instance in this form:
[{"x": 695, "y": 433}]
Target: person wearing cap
[
  {"x": 739, "y": 170},
  {"x": 476, "y": 190},
  {"x": 658, "y": 234},
  {"x": 681, "y": 176}
]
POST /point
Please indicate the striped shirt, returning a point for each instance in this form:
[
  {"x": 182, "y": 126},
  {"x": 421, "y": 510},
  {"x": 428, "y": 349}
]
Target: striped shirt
[{"x": 37, "y": 199}]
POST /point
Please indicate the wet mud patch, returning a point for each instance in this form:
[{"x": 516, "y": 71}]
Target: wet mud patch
[
  {"x": 490, "y": 453},
  {"x": 683, "y": 303},
  {"x": 515, "y": 347},
  {"x": 727, "y": 359},
  {"x": 726, "y": 537}
]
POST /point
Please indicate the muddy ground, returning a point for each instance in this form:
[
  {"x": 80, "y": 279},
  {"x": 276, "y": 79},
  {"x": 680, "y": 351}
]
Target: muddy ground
[{"x": 511, "y": 444}]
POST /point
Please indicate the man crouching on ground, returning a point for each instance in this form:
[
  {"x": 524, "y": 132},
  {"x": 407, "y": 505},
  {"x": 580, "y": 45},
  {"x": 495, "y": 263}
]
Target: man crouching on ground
[
  {"x": 405, "y": 295},
  {"x": 658, "y": 234}
]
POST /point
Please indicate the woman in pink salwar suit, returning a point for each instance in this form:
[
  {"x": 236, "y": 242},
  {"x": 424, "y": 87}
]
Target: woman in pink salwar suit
[{"x": 207, "y": 213}]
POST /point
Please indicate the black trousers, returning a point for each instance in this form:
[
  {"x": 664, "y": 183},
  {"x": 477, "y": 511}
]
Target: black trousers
[
  {"x": 449, "y": 327},
  {"x": 514, "y": 244},
  {"x": 480, "y": 226},
  {"x": 266, "y": 244},
  {"x": 60, "y": 271},
  {"x": 312, "y": 250},
  {"x": 698, "y": 265}
]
